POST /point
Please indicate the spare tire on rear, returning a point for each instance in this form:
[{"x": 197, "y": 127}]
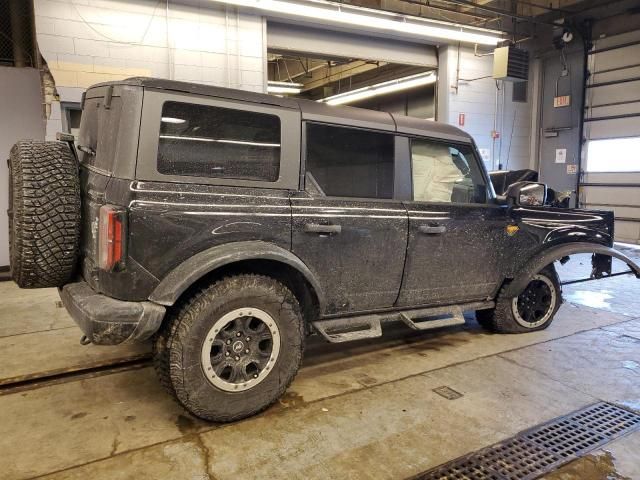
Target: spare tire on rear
[{"x": 44, "y": 213}]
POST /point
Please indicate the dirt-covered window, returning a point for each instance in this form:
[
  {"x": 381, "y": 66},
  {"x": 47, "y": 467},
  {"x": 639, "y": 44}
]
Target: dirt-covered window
[
  {"x": 347, "y": 162},
  {"x": 207, "y": 141},
  {"x": 445, "y": 173}
]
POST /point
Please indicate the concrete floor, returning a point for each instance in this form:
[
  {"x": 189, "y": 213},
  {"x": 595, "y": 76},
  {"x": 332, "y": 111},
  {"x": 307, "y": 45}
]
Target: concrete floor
[{"x": 361, "y": 410}]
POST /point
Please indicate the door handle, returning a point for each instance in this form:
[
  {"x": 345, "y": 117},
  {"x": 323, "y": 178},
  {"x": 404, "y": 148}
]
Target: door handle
[
  {"x": 318, "y": 228},
  {"x": 432, "y": 229}
]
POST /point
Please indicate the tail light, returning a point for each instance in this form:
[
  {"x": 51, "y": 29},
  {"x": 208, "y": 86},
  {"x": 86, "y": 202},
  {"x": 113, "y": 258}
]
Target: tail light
[{"x": 111, "y": 237}]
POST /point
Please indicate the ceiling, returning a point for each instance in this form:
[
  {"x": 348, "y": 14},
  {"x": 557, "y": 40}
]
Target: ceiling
[
  {"x": 531, "y": 23},
  {"x": 322, "y": 77},
  {"x": 521, "y": 19}
]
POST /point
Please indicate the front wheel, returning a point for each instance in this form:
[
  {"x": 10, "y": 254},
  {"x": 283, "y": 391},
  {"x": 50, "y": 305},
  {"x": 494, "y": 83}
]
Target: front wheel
[
  {"x": 230, "y": 350},
  {"x": 534, "y": 309}
]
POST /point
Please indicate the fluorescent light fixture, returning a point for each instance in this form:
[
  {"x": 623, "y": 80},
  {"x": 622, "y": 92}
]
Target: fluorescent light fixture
[
  {"x": 284, "y": 87},
  {"x": 173, "y": 120},
  {"x": 332, "y": 13},
  {"x": 396, "y": 85},
  {"x": 219, "y": 140}
]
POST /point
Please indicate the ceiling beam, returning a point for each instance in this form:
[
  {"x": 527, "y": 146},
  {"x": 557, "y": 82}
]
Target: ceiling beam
[{"x": 497, "y": 11}]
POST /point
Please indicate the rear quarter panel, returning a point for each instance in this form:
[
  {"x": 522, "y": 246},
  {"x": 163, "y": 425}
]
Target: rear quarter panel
[
  {"x": 172, "y": 218},
  {"x": 169, "y": 223}
]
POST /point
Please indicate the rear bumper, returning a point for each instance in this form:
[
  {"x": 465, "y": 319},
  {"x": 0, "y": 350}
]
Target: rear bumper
[{"x": 107, "y": 321}]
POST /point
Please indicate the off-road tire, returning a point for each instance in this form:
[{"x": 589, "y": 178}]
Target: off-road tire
[
  {"x": 44, "y": 213},
  {"x": 178, "y": 344},
  {"x": 501, "y": 319}
]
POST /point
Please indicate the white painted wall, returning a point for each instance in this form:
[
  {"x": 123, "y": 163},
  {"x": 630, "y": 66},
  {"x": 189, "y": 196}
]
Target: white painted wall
[
  {"x": 91, "y": 41},
  {"x": 477, "y": 100},
  {"x": 20, "y": 118}
]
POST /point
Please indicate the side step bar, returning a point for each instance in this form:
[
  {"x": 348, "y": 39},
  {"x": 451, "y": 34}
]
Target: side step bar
[
  {"x": 348, "y": 329},
  {"x": 340, "y": 330},
  {"x": 433, "y": 318}
]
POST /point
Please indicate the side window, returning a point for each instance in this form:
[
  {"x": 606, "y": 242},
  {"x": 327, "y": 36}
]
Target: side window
[
  {"x": 445, "y": 173},
  {"x": 207, "y": 141},
  {"x": 347, "y": 162}
]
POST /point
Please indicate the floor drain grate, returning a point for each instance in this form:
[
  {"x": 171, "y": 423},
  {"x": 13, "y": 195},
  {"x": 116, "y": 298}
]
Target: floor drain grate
[
  {"x": 606, "y": 419},
  {"x": 565, "y": 438},
  {"x": 541, "y": 449}
]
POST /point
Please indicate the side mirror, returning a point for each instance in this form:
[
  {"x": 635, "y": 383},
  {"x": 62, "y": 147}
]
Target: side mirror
[{"x": 526, "y": 194}]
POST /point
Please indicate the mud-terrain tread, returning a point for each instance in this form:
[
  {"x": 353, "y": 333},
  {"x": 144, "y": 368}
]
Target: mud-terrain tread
[
  {"x": 44, "y": 213},
  {"x": 500, "y": 319},
  {"x": 166, "y": 348}
]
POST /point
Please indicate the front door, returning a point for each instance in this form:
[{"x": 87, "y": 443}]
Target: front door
[
  {"x": 455, "y": 236},
  {"x": 347, "y": 228}
]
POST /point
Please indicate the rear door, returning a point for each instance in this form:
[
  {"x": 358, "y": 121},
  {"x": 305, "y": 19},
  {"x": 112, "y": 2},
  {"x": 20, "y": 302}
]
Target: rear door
[
  {"x": 347, "y": 227},
  {"x": 455, "y": 235}
]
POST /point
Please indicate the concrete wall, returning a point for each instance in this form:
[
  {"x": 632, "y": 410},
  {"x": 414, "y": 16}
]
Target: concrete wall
[
  {"x": 90, "y": 41},
  {"x": 20, "y": 118},
  {"x": 477, "y": 100}
]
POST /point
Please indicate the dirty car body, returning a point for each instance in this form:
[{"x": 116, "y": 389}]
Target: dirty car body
[{"x": 363, "y": 216}]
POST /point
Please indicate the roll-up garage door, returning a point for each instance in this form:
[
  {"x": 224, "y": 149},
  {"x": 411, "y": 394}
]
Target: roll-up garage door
[
  {"x": 309, "y": 41},
  {"x": 611, "y": 166}
]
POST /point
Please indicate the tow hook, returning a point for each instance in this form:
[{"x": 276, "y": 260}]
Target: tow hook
[{"x": 84, "y": 340}]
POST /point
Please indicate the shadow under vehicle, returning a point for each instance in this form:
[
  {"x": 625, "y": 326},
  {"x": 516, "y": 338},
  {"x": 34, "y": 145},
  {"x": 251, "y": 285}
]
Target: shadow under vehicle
[{"x": 229, "y": 225}]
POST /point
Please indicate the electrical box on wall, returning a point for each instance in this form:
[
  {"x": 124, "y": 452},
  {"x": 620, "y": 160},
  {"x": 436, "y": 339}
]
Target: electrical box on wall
[{"x": 511, "y": 64}]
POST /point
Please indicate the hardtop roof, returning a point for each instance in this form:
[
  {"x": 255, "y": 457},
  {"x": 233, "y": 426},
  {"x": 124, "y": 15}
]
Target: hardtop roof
[{"x": 310, "y": 110}]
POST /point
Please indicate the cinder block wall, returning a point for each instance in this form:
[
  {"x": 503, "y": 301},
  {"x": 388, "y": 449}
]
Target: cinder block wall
[
  {"x": 90, "y": 41},
  {"x": 477, "y": 99}
]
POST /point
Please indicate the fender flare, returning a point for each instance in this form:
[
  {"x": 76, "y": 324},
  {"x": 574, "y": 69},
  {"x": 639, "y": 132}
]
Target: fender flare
[
  {"x": 557, "y": 252},
  {"x": 191, "y": 270}
]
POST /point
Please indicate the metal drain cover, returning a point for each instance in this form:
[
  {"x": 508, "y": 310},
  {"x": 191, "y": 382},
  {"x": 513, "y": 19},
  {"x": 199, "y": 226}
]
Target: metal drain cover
[{"x": 541, "y": 449}]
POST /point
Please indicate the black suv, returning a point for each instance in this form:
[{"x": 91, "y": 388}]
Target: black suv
[{"x": 229, "y": 225}]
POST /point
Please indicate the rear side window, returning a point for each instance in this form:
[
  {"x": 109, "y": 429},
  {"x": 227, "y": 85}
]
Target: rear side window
[
  {"x": 445, "y": 173},
  {"x": 207, "y": 141},
  {"x": 347, "y": 162}
]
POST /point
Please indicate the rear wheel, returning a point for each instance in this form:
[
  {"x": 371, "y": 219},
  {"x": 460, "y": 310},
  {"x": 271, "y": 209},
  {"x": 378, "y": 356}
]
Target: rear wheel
[
  {"x": 534, "y": 309},
  {"x": 231, "y": 350}
]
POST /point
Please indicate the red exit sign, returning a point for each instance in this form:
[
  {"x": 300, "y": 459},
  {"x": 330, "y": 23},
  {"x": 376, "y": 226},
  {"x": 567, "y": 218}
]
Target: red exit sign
[{"x": 563, "y": 101}]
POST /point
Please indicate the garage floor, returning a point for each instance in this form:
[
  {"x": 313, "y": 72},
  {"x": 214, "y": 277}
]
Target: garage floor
[{"x": 361, "y": 410}]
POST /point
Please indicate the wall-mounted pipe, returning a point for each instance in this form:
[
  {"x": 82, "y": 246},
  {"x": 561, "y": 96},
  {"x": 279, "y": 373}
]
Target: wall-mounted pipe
[
  {"x": 22, "y": 33},
  {"x": 587, "y": 45}
]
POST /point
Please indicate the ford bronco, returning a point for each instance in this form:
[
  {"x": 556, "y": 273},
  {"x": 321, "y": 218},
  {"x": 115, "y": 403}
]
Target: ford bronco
[{"x": 227, "y": 226}]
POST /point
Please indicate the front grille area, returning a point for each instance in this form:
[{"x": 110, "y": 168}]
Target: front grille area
[{"x": 541, "y": 449}]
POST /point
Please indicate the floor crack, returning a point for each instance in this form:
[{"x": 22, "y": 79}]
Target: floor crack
[{"x": 206, "y": 456}]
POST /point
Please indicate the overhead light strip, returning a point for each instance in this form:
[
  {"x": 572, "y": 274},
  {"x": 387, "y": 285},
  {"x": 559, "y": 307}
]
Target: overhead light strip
[
  {"x": 284, "y": 87},
  {"x": 383, "y": 88},
  {"x": 328, "y": 13}
]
